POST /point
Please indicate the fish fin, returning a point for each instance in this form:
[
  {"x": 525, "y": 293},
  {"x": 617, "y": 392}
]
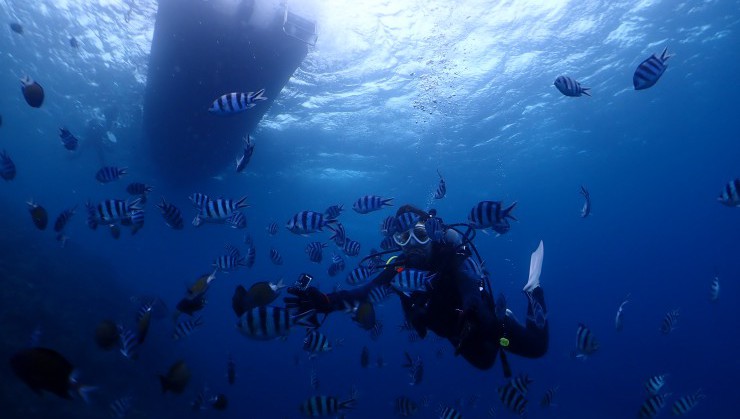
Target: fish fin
[
  {"x": 535, "y": 268},
  {"x": 387, "y": 201},
  {"x": 584, "y": 90},
  {"x": 665, "y": 55},
  {"x": 506, "y": 213}
]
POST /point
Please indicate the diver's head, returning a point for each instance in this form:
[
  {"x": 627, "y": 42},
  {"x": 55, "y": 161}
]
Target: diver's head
[{"x": 413, "y": 239}]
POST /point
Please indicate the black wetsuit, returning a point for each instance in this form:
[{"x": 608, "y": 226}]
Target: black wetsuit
[{"x": 457, "y": 307}]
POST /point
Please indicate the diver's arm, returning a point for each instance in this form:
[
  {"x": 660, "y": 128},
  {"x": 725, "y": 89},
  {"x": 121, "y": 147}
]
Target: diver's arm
[{"x": 529, "y": 340}]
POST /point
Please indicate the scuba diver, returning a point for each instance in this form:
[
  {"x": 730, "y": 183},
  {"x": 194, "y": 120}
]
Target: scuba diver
[{"x": 456, "y": 301}]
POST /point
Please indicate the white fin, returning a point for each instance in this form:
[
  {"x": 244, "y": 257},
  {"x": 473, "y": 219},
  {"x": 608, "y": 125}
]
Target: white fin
[{"x": 535, "y": 268}]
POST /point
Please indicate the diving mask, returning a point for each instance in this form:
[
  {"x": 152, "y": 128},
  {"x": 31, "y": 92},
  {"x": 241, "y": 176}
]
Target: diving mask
[{"x": 418, "y": 233}]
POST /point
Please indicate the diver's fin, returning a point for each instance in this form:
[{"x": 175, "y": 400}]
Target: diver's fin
[{"x": 535, "y": 268}]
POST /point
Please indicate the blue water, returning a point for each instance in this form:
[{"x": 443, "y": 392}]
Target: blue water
[{"x": 654, "y": 162}]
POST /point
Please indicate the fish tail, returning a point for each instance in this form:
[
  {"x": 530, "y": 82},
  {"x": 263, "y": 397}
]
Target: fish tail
[
  {"x": 585, "y": 91},
  {"x": 241, "y": 203},
  {"x": 387, "y": 201},
  {"x": 348, "y": 404},
  {"x": 507, "y": 211},
  {"x": 664, "y": 55}
]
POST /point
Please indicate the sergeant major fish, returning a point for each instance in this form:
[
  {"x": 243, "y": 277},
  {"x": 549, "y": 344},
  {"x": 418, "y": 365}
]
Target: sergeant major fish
[
  {"x": 108, "y": 174},
  {"x": 232, "y": 103},
  {"x": 243, "y": 160},
  {"x": 369, "y": 203},
  {"x": 730, "y": 196},
  {"x": 69, "y": 141},
  {"x": 38, "y": 215},
  {"x": 172, "y": 215},
  {"x": 650, "y": 70},
  {"x": 7, "y": 167},
  {"x": 33, "y": 93},
  {"x": 306, "y": 222},
  {"x": 570, "y": 87}
]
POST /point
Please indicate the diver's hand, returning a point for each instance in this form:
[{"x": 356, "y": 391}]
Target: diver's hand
[{"x": 306, "y": 300}]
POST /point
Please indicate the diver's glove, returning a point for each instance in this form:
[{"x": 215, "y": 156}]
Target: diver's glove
[{"x": 306, "y": 300}]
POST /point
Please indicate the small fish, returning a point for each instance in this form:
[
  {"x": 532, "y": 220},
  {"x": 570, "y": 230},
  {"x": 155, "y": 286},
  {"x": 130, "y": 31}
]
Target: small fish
[
  {"x": 191, "y": 305},
  {"x": 333, "y": 212},
  {"x": 413, "y": 280},
  {"x": 388, "y": 244},
  {"x": 730, "y": 195},
  {"x": 306, "y": 222},
  {"x": 135, "y": 220},
  {"x": 686, "y": 404},
  {"x": 369, "y": 203},
  {"x": 415, "y": 369},
  {"x": 69, "y": 141},
  {"x": 388, "y": 227},
  {"x": 548, "y": 397},
  {"x": 358, "y": 276},
  {"x": 315, "y": 251},
  {"x": 200, "y": 286},
  {"x": 650, "y": 70},
  {"x": 669, "y": 322},
  {"x": 108, "y": 174},
  {"x": 339, "y": 235},
  {"x": 316, "y": 342},
  {"x": 73, "y": 42},
  {"x": 586, "y": 343},
  {"x": 199, "y": 200},
  {"x": 378, "y": 294},
  {"x": 46, "y": 369},
  {"x": 586, "y": 210},
  {"x": 337, "y": 265},
  {"x": 406, "y": 221},
  {"x": 435, "y": 229},
  {"x": 232, "y": 103},
  {"x": 251, "y": 253},
  {"x": 172, "y": 215},
  {"x": 655, "y": 383},
  {"x": 521, "y": 383},
  {"x": 138, "y": 188},
  {"x": 406, "y": 407},
  {"x": 120, "y": 408},
  {"x": 176, "y": 379},
  {"x": 351, "y": 247},
  {"x": 513, "y": 399},
  {"x": 714, "y": 290},
  {"x": 186, "y": 327},
  {"x": 449, "y": 413},
  {"x": 237, "y": 220},
  {"x": 275, "y": 257},
  {"x": 618, "y": 324},
  {"x": 32, "y": 92},
  {"x": 266, "y": 323},
  {"x": 570, "y": 87},
  {"x": 7, "y": 167},
  {"x": 491, "y": 214},
  {"x": 17, "y": 28},
  {"x": 243, "y": 160},
  {"x": 653, "y": 405},
  {"x": 143, "y": 320},
  {"x": 272, "y": 229},
  {"x": 63, "y": 218},
  {"x": 219, "y": 210},
  {"x": 38, "y": 215},
  {"x": 129, "y": 343},
  {"x": 112, "y": 210},
  {"x": 315, "y": 384},
  {"x": 441, "y": 188},
  {"x": 318, "y": 406}
]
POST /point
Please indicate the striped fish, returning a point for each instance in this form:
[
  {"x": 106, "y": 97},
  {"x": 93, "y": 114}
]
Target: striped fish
[
  {"x": 63, "y": 219},
  {"x": 237, "y": 220},
  {"x": 337, "y": 265},
  {"x": 92, "y": 215},
  {"x": 413, "y": 280},
  {"x": 135, "y": 220},
  {"x": 586, "y": 343},
  {"x": 490, "y": 214},
  {"x": 655, "y": 383},
  {"x": 138, "y": 188},
  {"x": 199, "y": 200},
  {"x": 388, "y": 227},
  {"x": 129, "y": 343},
  {"x": 714, "y": 289},
  {"x": 521, "y": 383},
  {"x": 369, "y": 203},
  {"x": 172, "y": 215},
  {"x": 548, "y": 397},
  {"x": 243, "y": 160},
  {"x": 316, "y": 342},
  {"x": 221, "y": 208},
  {"x": 110, "y": 173},
  {"x": 232, "y": 103},
  {"x": 120, "y": 408},
  {"x": 730, "y": 195},
  {"x": 251, "y": 252},
  {"x": 653, "y": 405},
  {"x": 272, "y": 229},
  {"x": 351, "y": 247},
  {"x": 7, "y": 167},
  {"x": 185, "y": 328},
  {"x": 315, "y": 384},
  {"x": 685, "y": 404},
  {"x": 570, "y": 87},
  {"x": 406, "y": 221},
  {"x": 32, "y": 91},
  {"x": 333, "y": 212},
  {"x": 112, "y": 210},
  {"x": 379, "y": 294},
  {"x": 406, "y": 407},
  {"x": 339, "y": 235},
  {"x": 388, "y": 244},
  {"x": 275, "y": 257},
  {"x": 306, "y": 222},
  {"x": 265, "y": 323},
  {"x": 229, "y": 263},
  {"x": 669, "y": 322},
  {"x": 650, "y": 70},
  {"x": 319, "y": 406},
  {"x": 315, "y": 251},
  {"x": 69, "y": 141},
  {"x": 513, "y": 399},
  {"x": 449, "y": 413},
  {"x": 358, "y": 276},
  {"x": 435, "y": 229},
  {"x": 441, "y": 187}
]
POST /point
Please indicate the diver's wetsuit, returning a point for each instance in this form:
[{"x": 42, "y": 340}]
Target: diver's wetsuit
[{"x": 457, "y": 307}]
